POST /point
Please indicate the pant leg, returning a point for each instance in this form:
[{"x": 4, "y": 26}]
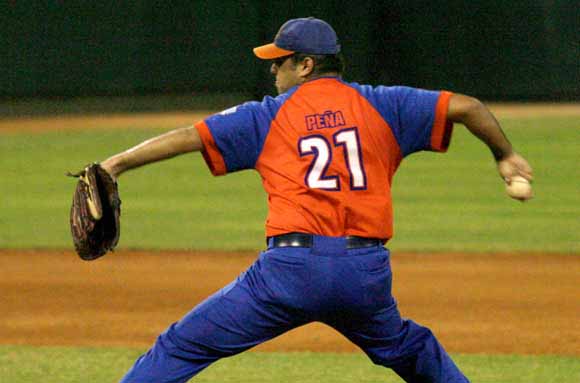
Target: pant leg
[
  {"x": 411, "y": 350},
  {"x": 232, "y": 320}
]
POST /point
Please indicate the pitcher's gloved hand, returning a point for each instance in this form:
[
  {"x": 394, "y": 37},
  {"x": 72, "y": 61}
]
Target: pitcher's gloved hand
[{"x": 95, "y": 211}]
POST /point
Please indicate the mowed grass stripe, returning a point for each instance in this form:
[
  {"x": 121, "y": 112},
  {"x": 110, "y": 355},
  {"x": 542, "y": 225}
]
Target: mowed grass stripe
[
  {"x": 444, "y": 202},
  {"x": 27, "y": 364}
]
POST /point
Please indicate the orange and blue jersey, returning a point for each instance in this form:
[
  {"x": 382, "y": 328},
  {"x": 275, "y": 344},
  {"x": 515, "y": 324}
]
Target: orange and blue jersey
[{"x": 327, "y": 151}]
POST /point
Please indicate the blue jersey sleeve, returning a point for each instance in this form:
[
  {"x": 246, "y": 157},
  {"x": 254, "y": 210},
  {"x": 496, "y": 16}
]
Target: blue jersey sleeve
[
  {"x": 411, "y": 114},
  {"x": 239, "y": 132}
]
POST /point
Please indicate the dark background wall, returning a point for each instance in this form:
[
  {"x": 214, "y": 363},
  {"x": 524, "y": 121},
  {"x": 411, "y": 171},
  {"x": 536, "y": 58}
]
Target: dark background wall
[{"x": 493, "y": 49}]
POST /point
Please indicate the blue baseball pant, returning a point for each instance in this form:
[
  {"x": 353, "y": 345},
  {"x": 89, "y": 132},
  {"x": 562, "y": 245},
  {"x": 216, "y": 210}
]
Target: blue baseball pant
[{"x": 347, "y": 289}]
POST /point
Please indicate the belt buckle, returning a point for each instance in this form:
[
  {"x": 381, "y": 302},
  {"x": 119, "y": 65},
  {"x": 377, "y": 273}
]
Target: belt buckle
[{"x": 292, "y": 240}]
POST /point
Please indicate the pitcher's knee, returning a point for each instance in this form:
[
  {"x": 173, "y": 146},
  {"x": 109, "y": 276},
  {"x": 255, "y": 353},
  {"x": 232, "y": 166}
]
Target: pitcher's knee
[
  {"x": 411, "y": 339},
  {"x": 175, "y": 344},
  {"x": 169, "y": 341}
]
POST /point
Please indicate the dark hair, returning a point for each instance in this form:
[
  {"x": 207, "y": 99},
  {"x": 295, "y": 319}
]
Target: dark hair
[{"x": 322, "y": 63}]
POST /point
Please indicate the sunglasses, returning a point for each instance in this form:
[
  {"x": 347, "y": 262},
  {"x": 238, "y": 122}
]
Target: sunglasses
[{"x": 281, "y": 60}]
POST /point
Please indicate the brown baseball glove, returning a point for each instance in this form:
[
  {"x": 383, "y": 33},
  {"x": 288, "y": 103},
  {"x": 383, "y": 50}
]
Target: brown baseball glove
[{"x": 94, "y": 214}]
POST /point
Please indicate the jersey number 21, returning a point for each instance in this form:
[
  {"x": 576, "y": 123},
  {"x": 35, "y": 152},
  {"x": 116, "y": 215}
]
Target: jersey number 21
[{"x": 345, "y": 140}]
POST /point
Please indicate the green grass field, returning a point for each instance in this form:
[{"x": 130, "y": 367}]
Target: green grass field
[
  {"x": 445, "y": 202},
  {"x": 442, "y": 202},
  {"x": 67, "y": 365}
]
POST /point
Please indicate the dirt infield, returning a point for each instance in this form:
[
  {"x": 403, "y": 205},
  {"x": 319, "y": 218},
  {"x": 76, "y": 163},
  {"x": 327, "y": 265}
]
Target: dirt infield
[{"x": 477, "y": 303}]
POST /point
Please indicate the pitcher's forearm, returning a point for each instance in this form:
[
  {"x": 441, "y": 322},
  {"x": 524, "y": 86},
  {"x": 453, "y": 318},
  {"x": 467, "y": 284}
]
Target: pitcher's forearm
[
  {"x": 168, "y": 145},
  {"x": 481, "y": 123}
]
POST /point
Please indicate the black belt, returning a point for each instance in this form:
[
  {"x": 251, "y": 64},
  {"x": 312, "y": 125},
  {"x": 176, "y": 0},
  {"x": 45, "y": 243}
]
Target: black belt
[{"x": 305, "y": 240}]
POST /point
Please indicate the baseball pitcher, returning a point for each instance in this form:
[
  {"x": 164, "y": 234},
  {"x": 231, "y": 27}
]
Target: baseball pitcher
[{"x": 326, "y": 151}]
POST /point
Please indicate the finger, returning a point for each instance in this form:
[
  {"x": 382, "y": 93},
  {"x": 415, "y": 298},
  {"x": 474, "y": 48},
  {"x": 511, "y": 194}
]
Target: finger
[
  {"x": 526, "y": 173},
  {"x": 522, "y": 167}
]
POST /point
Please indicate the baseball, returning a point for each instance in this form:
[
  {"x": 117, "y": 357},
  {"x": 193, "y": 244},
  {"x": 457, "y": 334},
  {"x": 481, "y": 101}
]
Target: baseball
[{"x": 519, "y": 188}]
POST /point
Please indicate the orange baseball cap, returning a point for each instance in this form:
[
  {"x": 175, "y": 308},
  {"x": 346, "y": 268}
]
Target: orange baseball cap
[{"x": 304, "y": 35}]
